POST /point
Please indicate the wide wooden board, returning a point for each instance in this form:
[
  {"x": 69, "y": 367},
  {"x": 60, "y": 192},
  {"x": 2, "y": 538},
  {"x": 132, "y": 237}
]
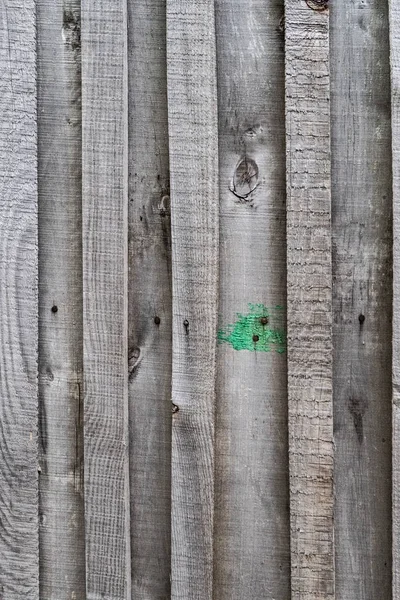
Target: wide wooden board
[
  {"x": 251, "y": 534},
  {"x": 362, "y": 297}
]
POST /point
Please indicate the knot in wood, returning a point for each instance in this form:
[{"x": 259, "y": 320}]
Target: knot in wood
[
  {"x": 245, "y": 178},
  {"x": 134, "y": 358},
  {"x": 72, "y": 29},
  {"x": 317, "y": 4}
]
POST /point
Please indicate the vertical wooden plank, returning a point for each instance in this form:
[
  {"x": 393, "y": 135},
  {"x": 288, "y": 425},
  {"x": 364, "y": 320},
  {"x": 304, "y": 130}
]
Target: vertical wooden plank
[
  {"x": 192, "y": 116},
  {"x": 362, "y": 239},
  {"x": 309, "y": 281},
  {"x": 251, "y": 538},
  {"x": 62, "y": 557},
  {"x": 19, "y": 557},
  {"x": 394, "y": 21},
  {"x": 105, "y": 224},
  {"x": 150, "y": 302}
]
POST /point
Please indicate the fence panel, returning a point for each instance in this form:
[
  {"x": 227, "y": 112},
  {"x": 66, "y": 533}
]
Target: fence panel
[{"x": 187, "y": 448}]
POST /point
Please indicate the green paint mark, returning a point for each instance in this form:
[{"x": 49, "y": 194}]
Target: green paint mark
[{"x": 261, "y": 329}]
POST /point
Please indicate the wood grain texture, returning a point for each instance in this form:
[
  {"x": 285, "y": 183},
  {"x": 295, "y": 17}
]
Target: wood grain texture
[
  {"x": 251, "y": 537},
  {"x": 105, "y": 295},
  {"x": 19, "y": 556},
  {"x": 309, "y": 281},
  {"x": 362, "y": 289},
  {"x": 62, "y": 555},
  {"x": 193, "y": 142},
  {"x": 150, "y": 302},
  {"x": 394, "y": 23}
]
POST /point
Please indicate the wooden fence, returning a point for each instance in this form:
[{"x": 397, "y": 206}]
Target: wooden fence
[{"x": 196, "y": 395}]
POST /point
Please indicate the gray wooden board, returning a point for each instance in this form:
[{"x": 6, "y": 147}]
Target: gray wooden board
[
  {"x": 19, "y": 558},
  {"x": 361, "y": 212},
  {"x": 394, "y": 21},
  {"x": 309, "y": 301},
  {"x": 62, "y": 557},
  {"x": 150, "y": 302},
  {"x": 193, "y": 142},
  {"x": 105, "y": 295},
  {"x": 251, "y": 537}
]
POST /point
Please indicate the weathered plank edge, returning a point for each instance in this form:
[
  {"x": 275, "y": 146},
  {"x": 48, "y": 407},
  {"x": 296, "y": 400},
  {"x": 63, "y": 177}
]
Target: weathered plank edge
[
  {"x": 394, "y": 27},
  {"x": 19, "y": 536},
  {"x": 309, "y": 301}
]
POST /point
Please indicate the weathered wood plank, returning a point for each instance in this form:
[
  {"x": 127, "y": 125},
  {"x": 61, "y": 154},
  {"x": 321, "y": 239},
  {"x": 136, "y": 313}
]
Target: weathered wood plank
[
  {"x": 150, "y": 302},
  {"x": 105, "y": 307},
  {"x": 62, "y": 556},
  {"x": 394, "y": 21},
  {"x": 19, "y": 555},
  {"x": 362, "y": 290},
  {"x": 309, "y": 314},
  {"x": 193, "y": 136},
  {"x": 251, "y": 538}
]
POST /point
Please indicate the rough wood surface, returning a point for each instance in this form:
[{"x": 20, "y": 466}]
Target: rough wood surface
[
  {"x": 394, "y": 23},
  {"x": 62, "y": 556},
  {"x": 361, "y": 222},
  {"x": 251, "y": 537},
  {"x": 192, "y": 116},
  {"x": 309, "y": 314},
  {"x": 19, "y": 556},
  {"x": 105, "y": 306},
  {"x": 150, "y": 302},
  {"x": 362, "y": 295}
]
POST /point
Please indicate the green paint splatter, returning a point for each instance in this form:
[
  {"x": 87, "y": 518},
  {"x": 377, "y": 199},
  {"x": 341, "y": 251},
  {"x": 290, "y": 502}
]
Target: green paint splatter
[{"x": 261, "y": 329}]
